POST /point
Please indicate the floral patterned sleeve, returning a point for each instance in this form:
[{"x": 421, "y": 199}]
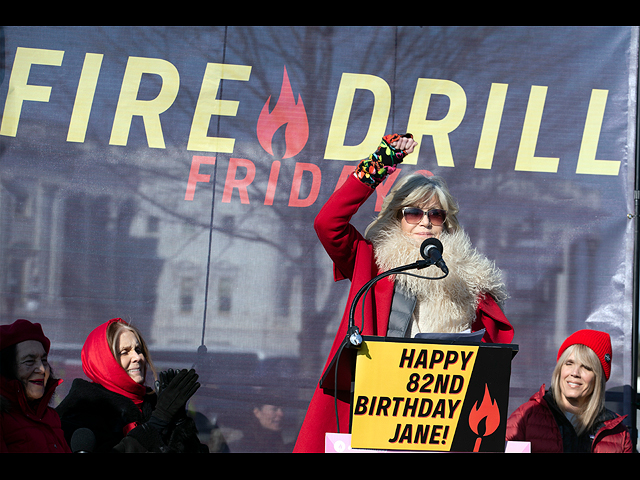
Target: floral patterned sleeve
[{"x": 374, "y": 169}]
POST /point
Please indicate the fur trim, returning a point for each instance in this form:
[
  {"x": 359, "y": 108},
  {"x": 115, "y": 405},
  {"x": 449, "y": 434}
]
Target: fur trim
[{"x": 449, "y": 304}]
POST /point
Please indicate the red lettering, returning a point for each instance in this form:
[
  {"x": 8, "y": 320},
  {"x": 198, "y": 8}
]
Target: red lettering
[
  {"x": 195, "y": 176},
  {"x": 384, "y": 187},
  {"x": 346, "y": 171},
  {"x": 273, "y": 182},
  {"x": 241, "y": 184},
  {"x": 299, "y": 183},
  {"x": 294, "y": 197}
]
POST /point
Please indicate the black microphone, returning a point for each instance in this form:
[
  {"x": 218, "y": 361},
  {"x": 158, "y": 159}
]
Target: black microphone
[
  {"x": 83, "y": 441},
  {"x": 431, "y": 249}
]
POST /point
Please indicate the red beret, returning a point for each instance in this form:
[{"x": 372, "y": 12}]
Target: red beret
[{"x": 21, "y": 331}]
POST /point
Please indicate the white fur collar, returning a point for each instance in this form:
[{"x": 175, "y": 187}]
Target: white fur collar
[{"x": 449, "y": 304}]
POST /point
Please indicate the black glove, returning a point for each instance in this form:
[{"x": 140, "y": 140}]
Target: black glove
[
  {"x": 176, "y": 388},
  {"x": 164, "y": 379}
]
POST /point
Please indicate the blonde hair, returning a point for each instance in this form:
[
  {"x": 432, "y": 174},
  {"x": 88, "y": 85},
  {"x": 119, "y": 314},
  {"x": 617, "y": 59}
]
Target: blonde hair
[
  {"x": 595, "y": 404},
  {"x": 414, "y": 190},
  {"x": 115, "y": 329}
]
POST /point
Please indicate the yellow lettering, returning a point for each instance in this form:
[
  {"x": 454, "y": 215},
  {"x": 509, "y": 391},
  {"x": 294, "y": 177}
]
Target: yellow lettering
[
  {"x": 587, "y": 162},
  {"x": 349, "y": 83},
  {"x": 439, "y": 129},
  {"x": 84, "y": 97},
  {"x": 491, "y": 125},
  {"x": 149, "y": 110},
  {"x": 208, "y": 105},
  {"x": 526, "y": 160},
  {"x": 19, "y": 90}
]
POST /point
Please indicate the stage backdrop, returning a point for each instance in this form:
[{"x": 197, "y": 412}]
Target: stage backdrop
[{"x": 170, "y": 176}]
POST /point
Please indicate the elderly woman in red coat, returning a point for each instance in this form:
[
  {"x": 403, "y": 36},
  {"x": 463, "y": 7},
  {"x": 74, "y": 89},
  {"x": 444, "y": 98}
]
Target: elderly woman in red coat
[
  {"x": 27, "y": 423},
  {"x": 418, "y": 207},
  {"x": 571, "y": 417}
]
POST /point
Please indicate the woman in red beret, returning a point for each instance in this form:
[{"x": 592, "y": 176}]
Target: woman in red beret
[
  {"x": 571, "y": 416},
  {"x": 27, "y": 423}
]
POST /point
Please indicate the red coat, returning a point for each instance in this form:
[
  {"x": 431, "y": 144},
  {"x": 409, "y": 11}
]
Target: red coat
[
  {"x": 534, "y": 422},
  {"x": 24, "y": 429},
  {"x": 354, "y": 259}
]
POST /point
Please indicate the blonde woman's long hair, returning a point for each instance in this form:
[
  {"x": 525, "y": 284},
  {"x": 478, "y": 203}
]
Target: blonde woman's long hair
[
  {"x": 415, "y": 190},
  {"x": 582, "y": 354}
]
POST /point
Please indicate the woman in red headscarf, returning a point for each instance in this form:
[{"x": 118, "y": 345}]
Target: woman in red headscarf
[{"x": 121, "y": 413}]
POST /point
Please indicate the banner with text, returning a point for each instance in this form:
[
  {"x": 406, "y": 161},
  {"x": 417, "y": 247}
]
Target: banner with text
[{"x": 170, "y": 176}]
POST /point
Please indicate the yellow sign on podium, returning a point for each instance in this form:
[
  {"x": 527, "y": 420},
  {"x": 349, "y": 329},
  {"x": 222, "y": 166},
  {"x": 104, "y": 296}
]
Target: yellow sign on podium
[{"x": 424, "y": 396}]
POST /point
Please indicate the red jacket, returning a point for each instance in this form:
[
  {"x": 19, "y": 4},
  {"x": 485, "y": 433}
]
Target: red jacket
[
  {"x": 354, "y": 259},
  {"x": 534, "y": 422},
  {"x": 27, "y": 428}
]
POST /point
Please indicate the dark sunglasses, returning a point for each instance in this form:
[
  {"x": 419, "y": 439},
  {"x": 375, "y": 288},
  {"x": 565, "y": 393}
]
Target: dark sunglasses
[{"x": 415, "y": 215}]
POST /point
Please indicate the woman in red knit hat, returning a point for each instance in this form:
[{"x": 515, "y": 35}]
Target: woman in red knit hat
[
  {"x": 571, "y": 416},
  {"x": 27, "y": 423}
]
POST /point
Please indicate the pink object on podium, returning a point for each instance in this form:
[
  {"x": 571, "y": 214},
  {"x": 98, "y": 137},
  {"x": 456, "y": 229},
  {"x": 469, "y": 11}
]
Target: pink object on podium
[{"x": 341, "y": 443}]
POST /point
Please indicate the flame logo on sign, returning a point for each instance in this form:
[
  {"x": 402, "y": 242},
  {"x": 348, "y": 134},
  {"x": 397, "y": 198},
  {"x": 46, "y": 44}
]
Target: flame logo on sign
[
  {"x": 288, "y": 112},
  {"x": 488, "y": 411}
]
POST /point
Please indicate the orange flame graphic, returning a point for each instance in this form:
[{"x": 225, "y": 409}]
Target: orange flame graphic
[
  {"x": 489, "y": 411},
  {"x": 286, "y": 111}
]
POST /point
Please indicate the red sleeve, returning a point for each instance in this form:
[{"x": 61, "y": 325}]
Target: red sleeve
[
  {"x": 518, "y": 420},
  {"x": 490, "y": 316},
  {"x": 338, "y": 237}
]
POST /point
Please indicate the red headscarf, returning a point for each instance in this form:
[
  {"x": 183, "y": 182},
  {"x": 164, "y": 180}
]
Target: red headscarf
[{"x": 101, "y": 367}]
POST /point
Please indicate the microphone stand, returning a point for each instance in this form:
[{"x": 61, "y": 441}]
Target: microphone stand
[{"x": 353, "y": 338}]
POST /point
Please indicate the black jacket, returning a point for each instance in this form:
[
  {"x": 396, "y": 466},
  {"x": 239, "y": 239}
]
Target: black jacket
[{"x": 110, "y": 415}]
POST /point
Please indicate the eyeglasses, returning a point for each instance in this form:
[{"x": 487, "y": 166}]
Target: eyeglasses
[{"x": 414, "y": 215}]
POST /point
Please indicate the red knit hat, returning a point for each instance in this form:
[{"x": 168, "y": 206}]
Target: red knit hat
[
  {"x": 21, "y": 331},
  {"x": 599, "y": 342}
]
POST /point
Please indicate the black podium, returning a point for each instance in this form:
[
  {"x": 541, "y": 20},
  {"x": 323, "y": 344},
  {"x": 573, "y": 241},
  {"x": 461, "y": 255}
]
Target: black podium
[{"x": 424, "y": 394}]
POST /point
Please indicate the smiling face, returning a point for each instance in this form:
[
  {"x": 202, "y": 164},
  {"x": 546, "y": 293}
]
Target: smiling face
[
  {"x": 424, "y": 228},
  {"x": 130, "y": 356},
  {"x": 33, "y": 369},
  {"x": 576, "y": 384},
  {"x": 269, "y": 416}
]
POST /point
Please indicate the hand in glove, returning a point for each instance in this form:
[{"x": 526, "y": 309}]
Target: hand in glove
[
  {"x": 176, "y": 388},
  {"x": 164, "y": 379},
  {"x": 391, "y": 151}
]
